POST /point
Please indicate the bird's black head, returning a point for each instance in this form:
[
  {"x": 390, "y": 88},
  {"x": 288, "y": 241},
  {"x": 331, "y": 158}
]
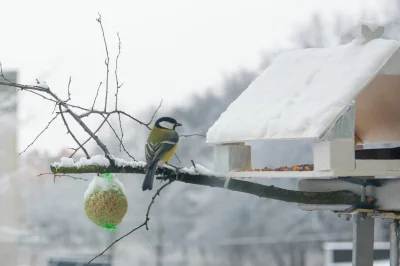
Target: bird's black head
[{"x": 167, "y": 123}]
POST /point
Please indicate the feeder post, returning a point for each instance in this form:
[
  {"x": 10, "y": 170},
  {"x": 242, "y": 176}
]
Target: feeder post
[
  {"x": 363, "y": 240},
  {"x": 394, "y": 243}
]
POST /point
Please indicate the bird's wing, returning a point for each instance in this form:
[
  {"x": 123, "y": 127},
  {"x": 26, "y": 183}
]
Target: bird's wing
[{"x": 154, "y": 151}]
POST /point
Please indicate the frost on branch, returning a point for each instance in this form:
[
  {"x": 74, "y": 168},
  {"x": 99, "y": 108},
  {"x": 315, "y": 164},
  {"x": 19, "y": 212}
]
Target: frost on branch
[{"x": 199, "y": 175}]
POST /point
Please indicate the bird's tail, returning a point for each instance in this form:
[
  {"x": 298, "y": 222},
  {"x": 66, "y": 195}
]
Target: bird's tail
[{"x": 149, "y": 178}]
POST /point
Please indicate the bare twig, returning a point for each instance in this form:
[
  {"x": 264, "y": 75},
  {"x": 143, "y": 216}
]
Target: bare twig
[
  {"x": 41, "y": 132},
  {"x": 2, "y": 74},
  {"x": 179, "y": 160},
  {"x": 155, "y": 112},
  {"x": 97, "y": 93},
  {"x": 34, "y": 89},
  {"x": 107, "y": 61},
  {"x": 61, "y": 175},
  {"x": 192, "y": 135},
  {"x": 72, "y": 134},
  {"x": 69, "y": 92},
  {"x": 88, "y": 113},
  {"x": 101, "y": 125},
  {"x": 145, "y": 223},
  {"x": 116, "y": 72},
  {"x": 122, "y": 132},
  {"x": 55, "y": 106},
  {"x": 119, "y": 139}
]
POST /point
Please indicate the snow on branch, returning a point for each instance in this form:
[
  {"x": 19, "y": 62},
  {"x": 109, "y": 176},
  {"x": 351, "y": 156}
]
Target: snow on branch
[{"x": 199, "y": 175}]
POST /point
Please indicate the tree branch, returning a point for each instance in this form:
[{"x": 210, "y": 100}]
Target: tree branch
[
  {"x": 119, "y": 139},
  {"x": 116, "y": 72},
  {"x": 107, "y": 61},
  {"x": 72, "y": 134},
  {"x": 194, "y": 176},
  {"x": 97, "y": 130},
  {"x": 97, "y": 94},
  {"x": 155, "y": 112}
]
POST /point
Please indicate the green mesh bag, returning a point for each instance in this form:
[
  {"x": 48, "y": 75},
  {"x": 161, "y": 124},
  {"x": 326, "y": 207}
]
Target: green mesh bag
[{"x": 105, "y": 201}]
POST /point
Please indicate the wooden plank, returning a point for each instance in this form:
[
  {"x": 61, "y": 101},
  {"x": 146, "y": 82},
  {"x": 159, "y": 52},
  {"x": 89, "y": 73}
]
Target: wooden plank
[
  {"x": 378, "y": 165},
  {"x": 282, "y": 174},
  {"x": 378, "y": 112},
  {"x": 363, "y": 241},
  {"x": 334, "y": 154},
  {"x": 368, "y": 170}
]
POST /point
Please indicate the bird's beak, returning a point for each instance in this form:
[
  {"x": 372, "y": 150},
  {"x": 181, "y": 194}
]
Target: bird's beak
[{"x": 178, "y": 124}]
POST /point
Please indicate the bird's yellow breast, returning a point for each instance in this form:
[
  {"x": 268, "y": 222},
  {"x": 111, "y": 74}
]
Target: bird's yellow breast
[{"x": 168, "y": 155}]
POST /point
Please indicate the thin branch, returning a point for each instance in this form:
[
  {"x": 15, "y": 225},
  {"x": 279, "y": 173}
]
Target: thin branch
[
  {"x": 88, "y": 113},
  {"x": 179, "y": 160},
  {"x": 2, "y": 74},
  {"x": 48, "y": 124},
  {"x": 192, "y": 135},
  {"x": 97, "y": 130},
  {"x": 120, "y": 140},
  {"x": 69, "y": 92},
  {"x": 153, "y": 199},
  {"x": 122, "y": 132},
  {"x": 33, "y": 89},
  {"x": 154, "y": 114},
  {"x": 97, "y": 93},
  {"x": 55, "y": 107},
  {"x": 72, "y": 134},
  {"x": 145, "y": 223},
  {"x": 116, "y": 72},
  {"x": 61, "y": 175},
  {"x": 24, "y": 87},
  {"x": 107, "y": 61}
]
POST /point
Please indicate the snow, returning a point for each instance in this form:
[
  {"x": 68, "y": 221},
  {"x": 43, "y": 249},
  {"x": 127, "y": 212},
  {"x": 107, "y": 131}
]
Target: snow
[
  {"x": 96, "y": 160},
  {"x": 302, "y": 92},
  {"x": 122, "y": 163},
  {"x": 103, "y": 161},
  {"x": 103, "y": 184},
  {"x": 83, "y": 161},
  {"x": 41, "y": 84}
]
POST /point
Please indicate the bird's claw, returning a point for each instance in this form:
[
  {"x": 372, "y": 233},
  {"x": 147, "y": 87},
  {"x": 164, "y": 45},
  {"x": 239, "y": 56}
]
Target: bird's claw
[{"x": 177, "y": 172}]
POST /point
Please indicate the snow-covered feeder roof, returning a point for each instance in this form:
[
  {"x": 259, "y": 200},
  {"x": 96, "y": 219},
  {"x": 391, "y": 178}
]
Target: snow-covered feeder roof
[{"x": 303, "y": 92}]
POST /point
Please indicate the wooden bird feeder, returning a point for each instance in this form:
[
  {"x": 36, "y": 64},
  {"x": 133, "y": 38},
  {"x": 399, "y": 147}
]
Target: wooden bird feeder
[
  {"x": 342, "y": 98},
  {"x": 358, "y": 105}
]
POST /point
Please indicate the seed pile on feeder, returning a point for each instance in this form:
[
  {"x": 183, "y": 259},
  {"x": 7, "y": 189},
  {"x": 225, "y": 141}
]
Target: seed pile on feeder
[{"x": 105, "y": 201}]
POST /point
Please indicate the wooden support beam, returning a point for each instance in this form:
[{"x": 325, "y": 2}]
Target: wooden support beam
[
  {"x": 394, "y": 243},
  {"x": 363, "y": 240}
]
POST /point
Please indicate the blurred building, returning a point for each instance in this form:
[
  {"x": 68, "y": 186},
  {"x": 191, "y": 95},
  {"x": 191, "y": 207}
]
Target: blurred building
[{"x": 9, "y": 195}]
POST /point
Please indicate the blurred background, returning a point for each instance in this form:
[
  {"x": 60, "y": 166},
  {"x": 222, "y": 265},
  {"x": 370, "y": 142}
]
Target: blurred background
[{"x": 198, "y": 56}]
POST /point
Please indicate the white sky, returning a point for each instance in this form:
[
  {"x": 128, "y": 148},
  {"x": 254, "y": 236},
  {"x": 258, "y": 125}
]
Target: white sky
[{"x": 170, "y": 49}]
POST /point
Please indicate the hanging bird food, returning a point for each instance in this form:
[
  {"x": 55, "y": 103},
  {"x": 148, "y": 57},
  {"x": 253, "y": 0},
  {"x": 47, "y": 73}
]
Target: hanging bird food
[{"x": 105, "y": 201}]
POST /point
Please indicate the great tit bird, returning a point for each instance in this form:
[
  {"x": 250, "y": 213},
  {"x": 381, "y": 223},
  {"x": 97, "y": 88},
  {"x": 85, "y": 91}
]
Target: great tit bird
[{"x": 161, "y": 145}]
